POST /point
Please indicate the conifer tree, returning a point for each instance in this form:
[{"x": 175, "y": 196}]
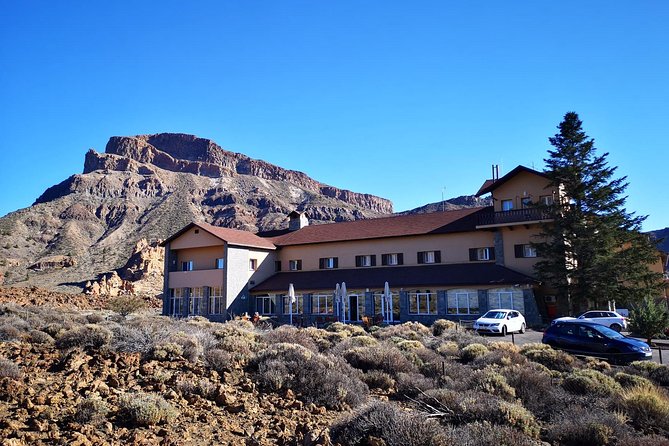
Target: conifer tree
[{"x": 593, "y": 251}]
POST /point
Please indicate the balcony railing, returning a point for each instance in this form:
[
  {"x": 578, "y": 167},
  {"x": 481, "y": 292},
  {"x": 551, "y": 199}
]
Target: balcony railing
[{"x": 513, "y": 216}]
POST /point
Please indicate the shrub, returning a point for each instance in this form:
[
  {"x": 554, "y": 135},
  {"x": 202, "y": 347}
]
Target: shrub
[
  {"x": 628, "y": 380},
  {"x": 87, "y": 337},
  {"x": 202, "y": 387},
  {"x": 409, "y": 345},
  {"x": 500, "y": 357},
  {"x": 644, "y": 440},
  {"x": 490, "y": 381},
  {"x": 442, "y": 325},
  {"x": 382, "y": 357},
  {"x": 534, "y": 386},
  {"x": 146, "y": 409},
  {"x": 9, "y": 333},
  {"x": 486, "y": 434},
  {"x": 376, "y": 379},
  {"x": 586, "y": 426},
  {"x": 125, "y": 305},
  {"x": 411, "y": 384},
  {"x": 91, "y": 411},
  {"x": 319, "y": 379},
  {"x": 94, "y": 318},
  {"x": 190, "y": 344},
  {"x": 389, "y": 425},
  {"x": 590, "y": 382},
  {"x": 9, "y": 370},
  {"x": 220, "y": 360},
  {"x": 289, "y": 334},
  {"x": 412, "y": 331},
  {"x": 473, "y": 351},
  {"x": 346, "y": 329},
  {"x": 448, "y": 349},
  {"x": 647, "y": 407},
  {"x": 39, "y": 337},
  {"x": 168, "y": 351},
  {"x": 553, "y": 359}
]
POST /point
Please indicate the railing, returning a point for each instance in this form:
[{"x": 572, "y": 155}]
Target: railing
[{"x": 513, "y": 216}]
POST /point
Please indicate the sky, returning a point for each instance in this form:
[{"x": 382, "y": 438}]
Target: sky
[{"x": 410, "y": 101}]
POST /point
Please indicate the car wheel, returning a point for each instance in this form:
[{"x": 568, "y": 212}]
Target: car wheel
[
  {"x": 503, "y": 330},
  {"x": 522, "y": 328},
  {"x": 616, "y": 327}
]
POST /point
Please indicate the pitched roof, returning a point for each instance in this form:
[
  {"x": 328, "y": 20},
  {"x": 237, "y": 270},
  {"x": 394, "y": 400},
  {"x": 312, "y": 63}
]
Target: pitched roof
[
  {"x": 396, "y": 226},
  {"x": 490, "y": 185},
  {"x": 231, "y": 236},
  {"x": 448, "y": 275}
]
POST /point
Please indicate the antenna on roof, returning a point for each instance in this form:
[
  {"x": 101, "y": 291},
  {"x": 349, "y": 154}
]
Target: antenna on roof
[
  {"x": 495, "y": 172},
  {"x": 443, "y": 204}
]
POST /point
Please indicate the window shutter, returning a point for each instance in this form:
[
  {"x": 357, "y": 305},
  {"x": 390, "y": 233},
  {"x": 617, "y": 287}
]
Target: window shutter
[
  {"x": 472, "y": 254},
  {"x": 374, "y": 260},
  {"x": 400, "y": 258},
  {"x": 299, "y": 265},
  {"x": 437, "y": 257},
  {"x": 321, "y": 263},
  {"x": 491, "y": 250},
  {"x": 335, "y": 263},
  {"x": 384, "y": 259},
  {"x": 421, "y": 258},
  {"x": 358, "y": 261},
  {"x": 519, "y": 251}
]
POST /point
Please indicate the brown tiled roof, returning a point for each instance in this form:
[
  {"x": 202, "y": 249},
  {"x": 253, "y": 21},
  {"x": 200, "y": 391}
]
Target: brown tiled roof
[
  {"x": 491, "y": 185},
  {"x": 396, "y": 226},
  {"x": 449, "y": 275},
  {"x": 231, "y": 236}
]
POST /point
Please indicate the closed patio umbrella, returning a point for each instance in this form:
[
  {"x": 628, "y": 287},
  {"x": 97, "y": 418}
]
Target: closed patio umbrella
[
  {"x": 291, "y": 301},
  {"x": 343, "y": 300},
  {"x": 387, "y": 303},
  {"x": 336, "y": 300}
]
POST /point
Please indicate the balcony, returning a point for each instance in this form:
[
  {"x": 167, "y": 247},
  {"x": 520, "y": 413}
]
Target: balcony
[
  {"x": 197, "y": 278},
  {"x": 513, "y": 217}
]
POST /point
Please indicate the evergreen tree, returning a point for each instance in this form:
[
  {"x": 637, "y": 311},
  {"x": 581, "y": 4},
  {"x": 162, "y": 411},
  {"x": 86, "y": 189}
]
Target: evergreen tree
[
  {"x": 649, "y": 319},
  {"x": 592, "y": 251}
]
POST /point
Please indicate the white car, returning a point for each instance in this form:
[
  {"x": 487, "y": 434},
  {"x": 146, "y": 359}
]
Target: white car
[
  {"x": 500, "y": 321},
  {"x": 611, "y": 319}
]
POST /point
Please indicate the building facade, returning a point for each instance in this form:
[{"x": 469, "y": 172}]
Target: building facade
[{"x": 452, "y": 264}]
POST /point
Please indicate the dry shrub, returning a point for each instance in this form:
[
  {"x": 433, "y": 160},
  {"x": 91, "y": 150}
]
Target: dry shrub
[
  {"x": 448, "y": 349},
  {"x": 486, "y": 434},
  {"x": 590, "y": 382},
  {"x": 577, "y": 425},
  {"x": 651, "y": 370},
  {"x": 125, "y": 305},
  {"x": 500, "y": 357},
  {"x": 376, "y": 379},
  {"x": 193, "y": 386},
  {"x": 430, "y": 363},
  {"x": 87, "y": 337},
  {"x": 347, "y": 329},
  {"x": 628, "y": 380},
  {"x": 92, "y": 410},
  {"x": 192, "y": 349},
  {"x": 146, "y": 409},
  {"x": 412, "y": 331},
  {"x": 463, "y": 337},
  {"x": 644, "y": 440},
  {"x": 412, "y": 384},
  {"x": 406, "y": 345},
  {"x": 385, "y": 423},
  {"x": 291, "y": 335},
  {"x": 597, "y": 364},
  {"x": 384, "y": 357},
  {"x": 94, "y": 318},
  {"x": 440, "y": 326},
  {"x": 220, "y": 360},
  {"x": 325, "y": 380},
  {"x": 351, "y": 343},
  {"x": 55, "y": 329},
  {"x": 9, "y": 333},
  {"x": 490, "y": 381},
  {"x": 534, "y": 386},
  {"x": 553, "y": 359},
  {"x": 169, "y": 351},
  {"x": 473, "y": 351},
  {"x": 647, "y": 408},
  {"x": 9, "y": 370},
  {"x": 40, "y": 337}
]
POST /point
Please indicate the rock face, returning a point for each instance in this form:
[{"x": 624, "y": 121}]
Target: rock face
[{"x": 148, "y": 187}]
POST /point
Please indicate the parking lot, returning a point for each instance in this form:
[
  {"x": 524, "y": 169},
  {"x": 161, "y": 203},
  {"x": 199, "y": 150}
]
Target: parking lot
[{"x": 531, "y": 336}]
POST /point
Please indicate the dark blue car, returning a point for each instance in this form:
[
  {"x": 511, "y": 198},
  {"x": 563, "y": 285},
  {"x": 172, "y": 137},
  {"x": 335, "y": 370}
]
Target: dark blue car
[{"x": 592, "y": 339}]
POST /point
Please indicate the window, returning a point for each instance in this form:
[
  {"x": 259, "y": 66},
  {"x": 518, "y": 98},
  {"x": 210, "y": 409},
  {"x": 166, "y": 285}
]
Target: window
[
  {"x": 507, "y": 205},
  {"x": 463, "y": 301},
  {"x": 220, "y": 263},
  {"x": 196, "y": 306},
  {"x": 423, "y": 303},
  {"x": 277, "y": 265},
  {"x": 546, "y": 200},
  {"x": 525, "y": 251},
  {"x": 216, "y": 303},
  {"x": 295, "y": 265},
  {"x": 176, "y": 301},
  {"x": 429, "y": 257},
  {"x": 253, "y": 264},
  {"x": 482, "y": 254},
  {"x": 392, "y": 259},
  {"x": 367, "y": 260},
  {"x": 526, "y": 202},
  {"x": 298, "y": 304},
  {"x": 328, "y": 263},
  {"x": 187, "y": 266},
  {"x": 265, "y": 304},
  {"x": 322, "y": 303},
  {"x": 509, "y": 298}
]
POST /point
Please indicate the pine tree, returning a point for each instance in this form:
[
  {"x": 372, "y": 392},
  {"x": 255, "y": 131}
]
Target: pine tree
[{"x": 592, "y": 251}]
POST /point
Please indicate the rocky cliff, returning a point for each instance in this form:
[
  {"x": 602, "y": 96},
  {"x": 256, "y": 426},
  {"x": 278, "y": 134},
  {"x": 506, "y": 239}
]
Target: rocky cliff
[{"x": 148, "y": 187}]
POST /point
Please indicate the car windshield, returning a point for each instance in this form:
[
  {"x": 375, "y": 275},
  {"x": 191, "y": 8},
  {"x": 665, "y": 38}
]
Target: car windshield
[
  {"x": 495, "y": 315},
  {"x": 608, "y": 332}
]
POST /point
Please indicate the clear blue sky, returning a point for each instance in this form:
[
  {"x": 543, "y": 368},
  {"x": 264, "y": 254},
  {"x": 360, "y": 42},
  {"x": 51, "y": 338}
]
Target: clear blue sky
[{"x": 401, "y": 99}]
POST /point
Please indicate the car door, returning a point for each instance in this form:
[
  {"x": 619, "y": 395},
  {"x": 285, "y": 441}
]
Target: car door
[
  {"x": 566, "y": 337},
  {"x": 592, "y": 342},
  {"x": 515, "y": 321}
]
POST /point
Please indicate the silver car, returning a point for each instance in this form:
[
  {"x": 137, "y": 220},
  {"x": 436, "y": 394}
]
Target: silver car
[{"x": 610, "y": 319}]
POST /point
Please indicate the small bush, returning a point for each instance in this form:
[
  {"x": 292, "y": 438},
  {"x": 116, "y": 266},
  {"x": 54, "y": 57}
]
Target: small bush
[
  {"x": 486, "y": 434},
  {"x": 644, "y": 440},
  {"x": 442, "y": 325},
  {"x": 382, "y": 357},
  {"x": 9, "y": 370},
  {"x": 9, "y": 333},
  {"x": 590, "y": 382},
  {"x": 647, "y": 408},
  {"x": 411, "y": 331},
  {"x": 168, "y": 351},
  {"x": 490, "y": 381},
  {"x": 220, "y": 360},
  {"x": 473, "y": 351},
  {"x": 125, "y": 305},
  {"x": 40, "y": 337},
  {"x": 628, "y": 380},
  {"x": 376, "y": 379},
  {"x": 448, "y": 349},
  {"x": 553, "y": 359},
  {"x": 412, "y": 384},
  {"x": 409, "y": 345},
  {"x": 202, "y": 387},
  {"x": 146, "y": 409},
  {"x": 534, "y": 386},
  {"x": 586, "y": 426},
  {"x": 91, "y": 411},
  {"x": 384, "y": 423},
  {"x": 288, "y": 334},
  {"x": 94, "y": 318},
  {"x": 87, "y": 337},
  {"x": 346, "y": 329}
]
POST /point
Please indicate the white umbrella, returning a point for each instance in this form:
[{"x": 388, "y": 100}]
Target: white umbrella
[
  {"x": 291, "y": 301},
  {"x": 336, "y": 300},
  {"x": 386, "y": 302},
  {"x": 343, "y": 300}
]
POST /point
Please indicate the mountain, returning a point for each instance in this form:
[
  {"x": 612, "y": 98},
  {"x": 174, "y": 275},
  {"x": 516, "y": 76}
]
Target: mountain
[
  {"x": 461, "y": 202},
  {"x": 663, "y": 236},
  {"x": 143, "y": 189}
]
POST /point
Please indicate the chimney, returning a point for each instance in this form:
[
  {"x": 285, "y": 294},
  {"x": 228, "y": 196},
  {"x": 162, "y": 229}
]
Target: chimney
[{"x": 297, "y": 220}]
